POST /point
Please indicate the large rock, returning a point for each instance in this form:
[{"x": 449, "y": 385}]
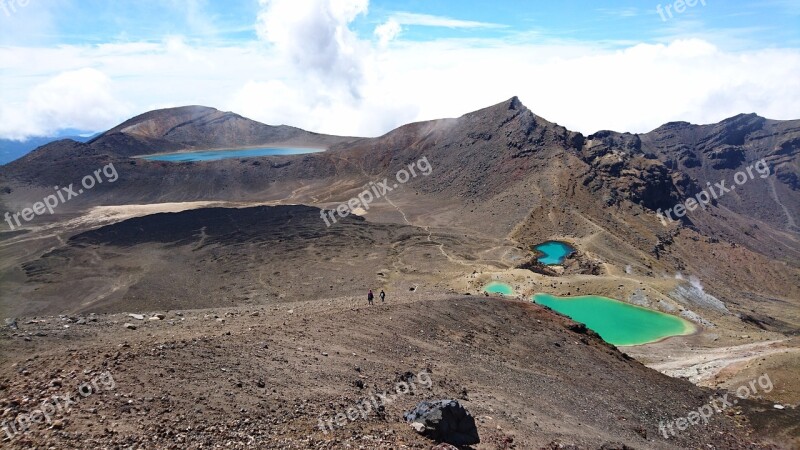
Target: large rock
[{"x": 444, "y": 421}]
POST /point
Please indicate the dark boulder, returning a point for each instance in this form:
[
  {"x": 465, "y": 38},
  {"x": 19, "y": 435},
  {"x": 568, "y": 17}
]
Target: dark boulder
[{"x": 444, "y": 421}]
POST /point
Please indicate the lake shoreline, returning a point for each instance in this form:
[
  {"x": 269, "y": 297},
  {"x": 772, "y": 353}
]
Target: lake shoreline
[
  {"x": 154, "y": 156},
  {"x": 541, "y": 255},
  {"x": 610, "y": 327}
]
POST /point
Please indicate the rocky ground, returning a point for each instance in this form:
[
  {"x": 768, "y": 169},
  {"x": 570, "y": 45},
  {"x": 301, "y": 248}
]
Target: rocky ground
[
  {"x": 264, "y": 376},
  {"x": 268, "y": 338}
]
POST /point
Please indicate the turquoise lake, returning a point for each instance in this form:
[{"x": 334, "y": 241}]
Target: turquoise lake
[
  {"x": 495, "y": 287},
  {"x": 553, "y": 252},
  {"x": 216, "y": 155},
  {"x": 617, "y": 322}
]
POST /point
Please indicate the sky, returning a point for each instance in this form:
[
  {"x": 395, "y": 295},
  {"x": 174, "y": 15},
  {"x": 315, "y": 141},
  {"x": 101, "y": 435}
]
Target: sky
[{"x": 364, "y": 67}]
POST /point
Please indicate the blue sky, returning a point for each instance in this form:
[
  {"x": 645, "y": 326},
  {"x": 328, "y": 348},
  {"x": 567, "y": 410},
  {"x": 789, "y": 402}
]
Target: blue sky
[
  {"x": 770, "y": 23},
  {"x": 365, "y": 66}
]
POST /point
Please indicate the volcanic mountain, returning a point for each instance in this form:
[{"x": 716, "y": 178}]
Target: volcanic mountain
[
  {"x": 248, "y": 233},
  {"x": 501, "y": 173}
]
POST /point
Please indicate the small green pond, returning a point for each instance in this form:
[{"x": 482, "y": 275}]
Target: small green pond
[
  {"x": 496, "y": 287},
  {"x": 617, "y": 322}
]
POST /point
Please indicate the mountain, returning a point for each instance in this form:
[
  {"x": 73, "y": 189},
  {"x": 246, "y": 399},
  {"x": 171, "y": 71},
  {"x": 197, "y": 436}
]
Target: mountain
[
  {"x": 502, "y": 172},
  {"x": 251, "y": 246},
  {"x": 712, "y": 153},
  {"x": 175, "y": 129},
  {"x": 11, "y": 149},
  {"x": 198, "y": 127}
]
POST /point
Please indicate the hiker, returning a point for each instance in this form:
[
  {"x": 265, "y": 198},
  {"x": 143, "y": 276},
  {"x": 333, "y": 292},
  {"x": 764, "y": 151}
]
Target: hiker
[
  {"x": 383, "y": 296},
  {"x": 370, "y": 296}
]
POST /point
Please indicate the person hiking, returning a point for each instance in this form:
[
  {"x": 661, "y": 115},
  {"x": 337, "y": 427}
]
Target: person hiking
[
  {"x": 370, "y": 296},
  {"x": 383, "y": 296}
]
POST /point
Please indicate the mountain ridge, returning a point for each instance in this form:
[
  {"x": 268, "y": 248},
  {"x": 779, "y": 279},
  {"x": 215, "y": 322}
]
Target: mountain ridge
[
  {"x": 249, "y": 231},
  {"x": 147, "y": 125},
  {"x": 501, "y": 171}
]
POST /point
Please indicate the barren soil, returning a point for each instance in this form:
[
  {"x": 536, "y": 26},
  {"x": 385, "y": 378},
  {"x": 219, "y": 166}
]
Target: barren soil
[{"x": 262, "y": 376}]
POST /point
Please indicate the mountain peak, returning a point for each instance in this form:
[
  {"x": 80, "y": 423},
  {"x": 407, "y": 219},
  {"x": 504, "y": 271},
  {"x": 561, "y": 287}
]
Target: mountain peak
[
  {"x": 156, "y": 123},
  {"x": 500, "y": 111}
]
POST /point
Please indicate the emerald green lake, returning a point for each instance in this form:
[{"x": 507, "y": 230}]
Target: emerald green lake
[
  {"x": 496, "y": 287},
  {"x": 216, "y": 155},
  {"x": 617, "y": 322},
  {"x": 553, "y": 252}
]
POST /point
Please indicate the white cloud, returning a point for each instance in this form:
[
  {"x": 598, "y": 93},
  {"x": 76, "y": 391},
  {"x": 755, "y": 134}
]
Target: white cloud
[
  {"x": 314, "y": 35},
  {"x": 391, "y": 29},
  {"x": 79, "y": 99},
  {"x": 620, "y": 13},
  {"x": 407, "y": 18},
  {"x": 312, "y": 71},
  {"x": 197, "y": 17},
  {"x": 579, "y": 86},
  {"x": 387, "y": 32}
]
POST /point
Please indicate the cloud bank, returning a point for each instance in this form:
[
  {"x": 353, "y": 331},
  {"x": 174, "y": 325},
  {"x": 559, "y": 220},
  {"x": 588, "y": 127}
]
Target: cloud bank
[{"x": 309, "y": 68}]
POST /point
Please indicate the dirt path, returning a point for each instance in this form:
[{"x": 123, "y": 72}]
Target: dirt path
[
  {"x": 701, "y": 366},
  {"x": 791, "y": 223}
]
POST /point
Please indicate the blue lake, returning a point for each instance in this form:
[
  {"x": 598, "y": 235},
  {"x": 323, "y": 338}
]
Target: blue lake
[
  {"x": 215, "y": 155},
  {"x": 553, "y": 252}
]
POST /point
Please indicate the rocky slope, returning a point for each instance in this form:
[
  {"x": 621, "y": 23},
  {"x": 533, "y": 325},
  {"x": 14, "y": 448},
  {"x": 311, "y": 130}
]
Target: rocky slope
[
  {"x": 480, "y": 155},
  {"x": 501, "y": 172},
  {"x": 264, "y": 376},
  {"x": 502, "y": 180}
]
